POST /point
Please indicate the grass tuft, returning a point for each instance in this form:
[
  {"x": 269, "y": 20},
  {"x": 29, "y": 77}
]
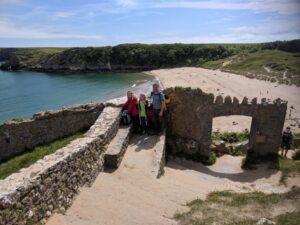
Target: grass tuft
[
  {"x": 227, "y": 207},
  {"x": 28, "y": 158}
]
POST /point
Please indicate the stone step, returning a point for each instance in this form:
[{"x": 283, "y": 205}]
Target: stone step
[{"x": 117, "y": 148}]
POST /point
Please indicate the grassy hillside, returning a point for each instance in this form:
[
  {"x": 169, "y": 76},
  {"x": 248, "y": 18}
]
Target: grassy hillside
[
  {"x": 272, "y": 65},
  {"x": 274, "y": 61}
]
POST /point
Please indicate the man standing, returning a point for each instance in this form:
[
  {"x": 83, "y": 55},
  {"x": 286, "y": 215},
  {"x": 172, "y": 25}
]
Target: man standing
[
  {"x": 287, "y": 138},
  {"x": 158, "y": 102}
]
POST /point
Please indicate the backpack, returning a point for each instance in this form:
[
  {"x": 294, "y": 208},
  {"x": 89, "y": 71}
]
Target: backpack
[
  {"x": 125, "y": 118},
  {"x": 286, "y": 136},
  {"x": 167, "y": 100}
]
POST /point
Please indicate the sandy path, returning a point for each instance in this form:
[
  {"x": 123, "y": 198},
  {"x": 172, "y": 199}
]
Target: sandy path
[
  {"x": 132, "y": 195},
  {"x": 222, "y": 83}
]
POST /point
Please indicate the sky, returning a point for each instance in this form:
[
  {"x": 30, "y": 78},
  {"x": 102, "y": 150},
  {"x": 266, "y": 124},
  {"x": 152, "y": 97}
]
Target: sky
[{"x": 80, "y": 23}]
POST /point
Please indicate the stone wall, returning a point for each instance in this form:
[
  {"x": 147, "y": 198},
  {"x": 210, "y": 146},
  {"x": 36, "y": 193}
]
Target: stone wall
[
  {"x": 191, "y": 115},
  {"x": 17, "y": 137},
  {"x": 50, "y": 185}
]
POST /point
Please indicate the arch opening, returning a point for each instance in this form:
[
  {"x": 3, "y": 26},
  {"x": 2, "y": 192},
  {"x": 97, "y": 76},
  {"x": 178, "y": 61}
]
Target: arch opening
[{"x": 230, "y": 135}]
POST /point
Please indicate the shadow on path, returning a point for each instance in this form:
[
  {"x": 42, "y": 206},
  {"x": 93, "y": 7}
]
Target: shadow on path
[
  {"x": 225, "y": 169},
  {"x": 143, "y": 142}
]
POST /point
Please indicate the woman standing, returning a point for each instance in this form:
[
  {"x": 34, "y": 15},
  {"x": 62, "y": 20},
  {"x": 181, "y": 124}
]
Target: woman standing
[{"x": 132, "y": 110}]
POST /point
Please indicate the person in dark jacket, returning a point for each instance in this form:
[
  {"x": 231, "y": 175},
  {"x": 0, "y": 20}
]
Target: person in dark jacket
[
  {"x": 287, "y": 138},
  {"x": 132, "y": 109}
]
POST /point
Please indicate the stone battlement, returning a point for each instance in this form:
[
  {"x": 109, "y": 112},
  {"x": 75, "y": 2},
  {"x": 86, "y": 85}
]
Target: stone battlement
[{"x": 192, "y": 112}]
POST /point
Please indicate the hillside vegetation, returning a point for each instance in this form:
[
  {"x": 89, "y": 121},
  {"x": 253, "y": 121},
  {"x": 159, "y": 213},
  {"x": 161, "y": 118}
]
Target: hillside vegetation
[{"x": 275, "y": 61}]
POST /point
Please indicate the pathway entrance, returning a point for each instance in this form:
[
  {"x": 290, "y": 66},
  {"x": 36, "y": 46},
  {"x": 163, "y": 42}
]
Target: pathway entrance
[{"x": 132, "y": 195}]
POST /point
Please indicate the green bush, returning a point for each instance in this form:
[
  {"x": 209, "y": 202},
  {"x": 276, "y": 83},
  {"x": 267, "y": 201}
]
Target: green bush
[
  {"x": 231, "y": 137},
  {"x": 211, "y": 159}
]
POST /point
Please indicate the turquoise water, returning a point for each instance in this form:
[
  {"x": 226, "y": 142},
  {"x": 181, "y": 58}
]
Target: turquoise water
[{"x": 24, "y": 93}]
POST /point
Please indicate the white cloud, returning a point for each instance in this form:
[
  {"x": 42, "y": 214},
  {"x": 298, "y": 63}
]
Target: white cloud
[
  {"x": 282, "y": 7},
  {"x": 279, "y": 6},
  {"x": 63, "y": 14},
  {"x": 10, "y": 30},
  {"x": 258, "y": 6},
  {"x": 265, "y": 32},
  {"x": 126, "y": 3},
  {"x": 5, "y": 2}
]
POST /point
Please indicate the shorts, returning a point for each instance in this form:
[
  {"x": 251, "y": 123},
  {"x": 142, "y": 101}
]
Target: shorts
[{"x": 285, "y": 145}]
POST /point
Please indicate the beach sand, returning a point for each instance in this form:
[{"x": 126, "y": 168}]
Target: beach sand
[{"x": 222, "y": 83}]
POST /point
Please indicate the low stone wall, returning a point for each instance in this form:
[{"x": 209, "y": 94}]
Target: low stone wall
[
  {"x": 160, "y": 156},
  {"x": 117, "y": 148},
  {"x": 17, "y": 137},
  {"x": 50, "y": 185}
]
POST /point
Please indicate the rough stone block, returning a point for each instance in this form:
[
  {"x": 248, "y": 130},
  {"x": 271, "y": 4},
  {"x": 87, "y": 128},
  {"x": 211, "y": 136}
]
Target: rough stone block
[{"x": 117, "y": 148}]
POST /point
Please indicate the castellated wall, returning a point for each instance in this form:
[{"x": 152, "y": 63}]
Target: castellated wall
[
  {"x": 191, "y": 116},
  {"x": 17, "y": 137},
  {"x": 34, "y": 193}
]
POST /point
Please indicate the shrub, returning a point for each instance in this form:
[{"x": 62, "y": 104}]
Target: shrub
[
  {"x": 231, "y": 137},
  {"x": 211, "y": 159}
]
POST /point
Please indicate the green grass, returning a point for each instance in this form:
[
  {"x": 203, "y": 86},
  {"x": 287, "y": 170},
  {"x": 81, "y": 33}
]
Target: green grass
[
  {"x": 251, "y": 64},
  {"x": 225, "y": 207},
  {"x": 231, "y": 137},
  {"x": 16, "y": 120},
  {"x": 36, "y": 55},
  {"x": 289, "y": 168},
  {"x": 28, "y": 158}
]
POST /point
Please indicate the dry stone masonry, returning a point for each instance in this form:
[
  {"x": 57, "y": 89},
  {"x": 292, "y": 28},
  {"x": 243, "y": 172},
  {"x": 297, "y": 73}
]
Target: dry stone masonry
[
  {"x": 50, "y": 185},
  {"x": 159, "y": 160},
  {"x": 17, "y": 137},
  {"x": 117, "y": 148},
  {"x": 191, "y": 117}
]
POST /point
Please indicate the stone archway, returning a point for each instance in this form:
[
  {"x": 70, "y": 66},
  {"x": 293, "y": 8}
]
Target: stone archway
[
  {"x": 191, "y": 116},
  {"x": 230, "y": 134}
]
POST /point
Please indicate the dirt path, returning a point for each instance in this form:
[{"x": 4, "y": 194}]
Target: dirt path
[
  {"x": 132, "y": 195},
  {"x": 222, "y": 83}
]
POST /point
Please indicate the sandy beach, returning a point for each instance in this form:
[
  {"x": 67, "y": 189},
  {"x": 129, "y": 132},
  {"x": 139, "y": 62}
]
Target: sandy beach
[{"x": 222, "y": 83}]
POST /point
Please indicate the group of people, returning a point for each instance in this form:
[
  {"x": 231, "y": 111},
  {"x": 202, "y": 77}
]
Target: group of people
[{"x": 144, "y": 114}]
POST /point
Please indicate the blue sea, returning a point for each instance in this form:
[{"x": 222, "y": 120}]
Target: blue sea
[{"x": 24, "y": 93}]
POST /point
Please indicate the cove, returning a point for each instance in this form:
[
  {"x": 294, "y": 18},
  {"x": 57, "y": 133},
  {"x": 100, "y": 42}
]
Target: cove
[{"x": 23, "y": 93}]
